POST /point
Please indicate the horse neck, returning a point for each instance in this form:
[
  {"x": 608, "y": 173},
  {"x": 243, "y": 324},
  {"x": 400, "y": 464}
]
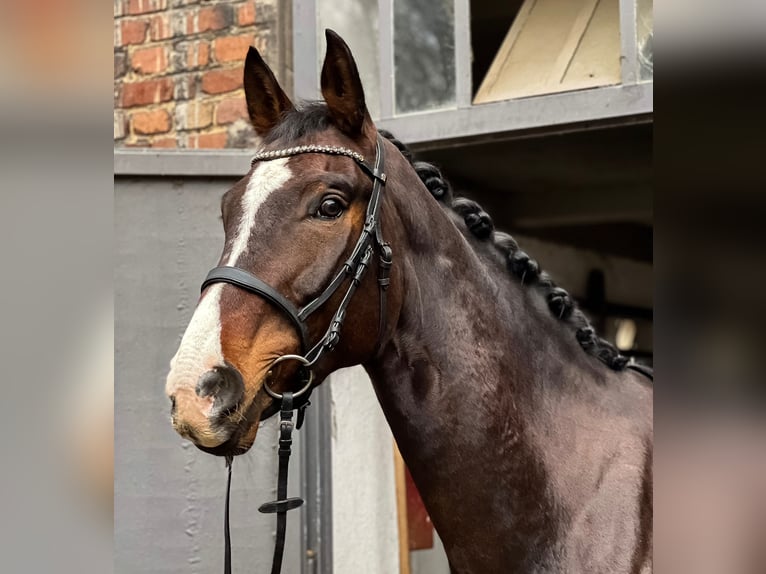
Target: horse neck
[{"x": 472, "y": 378}]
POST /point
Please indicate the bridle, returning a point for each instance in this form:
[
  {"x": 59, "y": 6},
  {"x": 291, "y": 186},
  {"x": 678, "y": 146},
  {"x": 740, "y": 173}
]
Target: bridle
[{"x": 354, "y": 270}]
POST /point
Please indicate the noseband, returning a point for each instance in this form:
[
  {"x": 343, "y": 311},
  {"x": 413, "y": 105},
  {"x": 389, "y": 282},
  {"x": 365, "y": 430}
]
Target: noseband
[{"x": 354, "y": 270}]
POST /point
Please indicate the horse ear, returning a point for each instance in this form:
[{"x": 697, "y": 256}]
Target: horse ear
[
  {"x": 342, "y": 87},
  {"x": 266, "y": 101}
]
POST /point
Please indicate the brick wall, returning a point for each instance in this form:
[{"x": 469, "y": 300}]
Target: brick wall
[{"x": 178, "y": 69}]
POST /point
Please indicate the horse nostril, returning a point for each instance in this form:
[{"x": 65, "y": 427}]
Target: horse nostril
[
  {"x": 172, "y": 406},
  {"x": 210, "y": 383},
  {"x": 225, "y": 385}
]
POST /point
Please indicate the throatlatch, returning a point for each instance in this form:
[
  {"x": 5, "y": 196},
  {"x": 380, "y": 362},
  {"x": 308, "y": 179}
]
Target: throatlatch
[{"x": 353, "y": 270}]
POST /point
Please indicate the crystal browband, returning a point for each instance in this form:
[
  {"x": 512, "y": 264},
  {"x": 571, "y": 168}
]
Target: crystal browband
[{"x": 331, "y": 149}]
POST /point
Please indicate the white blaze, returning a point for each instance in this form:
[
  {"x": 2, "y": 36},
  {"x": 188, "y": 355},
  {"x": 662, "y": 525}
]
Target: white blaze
[
  {"x": 200, "y": 348},
  {"x": 268, "y": 177}
]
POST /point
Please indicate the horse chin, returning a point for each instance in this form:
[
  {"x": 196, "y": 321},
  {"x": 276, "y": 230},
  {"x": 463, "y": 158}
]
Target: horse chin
[
  {"x": 239, "y": 443},
  {"x": 247, "y": 440},
  {"x": 241, "y": 434}
]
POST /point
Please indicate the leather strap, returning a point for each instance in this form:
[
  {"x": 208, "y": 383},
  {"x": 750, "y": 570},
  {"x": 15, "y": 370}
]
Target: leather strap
[
  {"x": 244, "y": 280},
  {"x": 283, "y": 504},
  {"x": 226, "y": 531},
  {"x": 648, "y": 372}
]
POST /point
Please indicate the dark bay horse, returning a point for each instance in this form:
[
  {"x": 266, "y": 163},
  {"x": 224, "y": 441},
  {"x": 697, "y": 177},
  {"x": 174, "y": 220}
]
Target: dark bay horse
[{"x": 529, "y": 440}]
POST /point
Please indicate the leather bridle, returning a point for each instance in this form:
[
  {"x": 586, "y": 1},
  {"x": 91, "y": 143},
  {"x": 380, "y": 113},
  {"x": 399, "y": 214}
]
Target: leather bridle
[{"x": 354, "y": 270}]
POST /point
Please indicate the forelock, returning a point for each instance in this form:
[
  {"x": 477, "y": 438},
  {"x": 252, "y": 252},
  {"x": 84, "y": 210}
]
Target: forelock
[{"x": 309, "y": 118}]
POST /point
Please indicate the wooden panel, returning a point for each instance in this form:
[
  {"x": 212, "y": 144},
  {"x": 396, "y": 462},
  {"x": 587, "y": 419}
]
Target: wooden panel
[
  {"x": 416, "y": 531},
  {"x": 596, "y": 62},
  {"x": 554, "y": 46},
  {"x": 576, "y": 33},
  {"x": 419, "y": 527},
  {"x": 500, "y": 62},
  {"x": 401, "y": 509}
]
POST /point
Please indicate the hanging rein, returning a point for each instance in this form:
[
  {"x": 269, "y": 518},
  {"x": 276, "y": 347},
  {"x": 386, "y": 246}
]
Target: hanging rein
[{"x": 354, "y": 270}]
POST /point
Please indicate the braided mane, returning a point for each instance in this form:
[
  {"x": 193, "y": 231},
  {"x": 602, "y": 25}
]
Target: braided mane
[
  {"x": 312, "y": 117},
  {"x": 521, "y": 265}
]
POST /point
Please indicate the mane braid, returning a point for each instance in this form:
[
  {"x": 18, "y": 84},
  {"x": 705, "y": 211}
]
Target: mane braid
[{"x": 519, "y": 263}]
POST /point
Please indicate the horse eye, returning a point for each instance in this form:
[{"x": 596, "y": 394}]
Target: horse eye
[{"x": 330, "y": 208}]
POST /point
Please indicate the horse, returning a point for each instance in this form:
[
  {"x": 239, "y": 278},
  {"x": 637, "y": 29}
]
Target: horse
[{"x": 528, "y": 437}]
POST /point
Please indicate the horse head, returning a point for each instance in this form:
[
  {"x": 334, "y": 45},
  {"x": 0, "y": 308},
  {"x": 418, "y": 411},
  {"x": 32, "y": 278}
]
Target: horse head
[{"x": 298, "y": 222}]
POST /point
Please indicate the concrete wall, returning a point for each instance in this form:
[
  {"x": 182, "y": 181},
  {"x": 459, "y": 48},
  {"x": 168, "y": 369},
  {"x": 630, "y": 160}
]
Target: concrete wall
[
  {"x": 365, "y": 534},
  {"x": 168, "y": 495}
]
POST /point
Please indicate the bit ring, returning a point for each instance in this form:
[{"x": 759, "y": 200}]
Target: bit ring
[{"x": 305, "y": 367}]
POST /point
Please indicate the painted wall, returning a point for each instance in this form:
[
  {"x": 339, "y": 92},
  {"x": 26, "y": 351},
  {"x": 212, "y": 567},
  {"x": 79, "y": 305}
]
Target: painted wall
[
  {"x": 168, "y": 495},
  {"x": 365, "y": 535}
]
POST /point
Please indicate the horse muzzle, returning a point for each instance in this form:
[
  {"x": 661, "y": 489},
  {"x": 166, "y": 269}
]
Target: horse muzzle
[{"x": 203, "y": 413}]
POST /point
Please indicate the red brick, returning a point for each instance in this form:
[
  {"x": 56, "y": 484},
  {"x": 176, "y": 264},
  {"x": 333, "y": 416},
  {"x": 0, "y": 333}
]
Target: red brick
[
  {"x": 147, "y": 92},
  {"x": 160, "y": 28},
  {"x": 147, "y": 123},
  {"x": 193, "y": 115},
  {"x": 198, "y": 54},
  {"x": 208, "y": 141},
  {"x": 221, "y": 81},
  {"x": 166, "y": 142},
  {"x": 145, "y": 6},
  {"x": 213, "y": 18},
  {"x": 246, "y": 14},
  {"x": 232, "y": 48},
  {"x": 204, "y": 54},
  {"x": 149, "y": 60},
  {"x": 133, "y": 31},
  {"x": 230, "y": 110}
]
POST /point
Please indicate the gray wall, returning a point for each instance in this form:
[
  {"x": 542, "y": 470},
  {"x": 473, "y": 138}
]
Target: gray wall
[{"x": 168, "y": 495}]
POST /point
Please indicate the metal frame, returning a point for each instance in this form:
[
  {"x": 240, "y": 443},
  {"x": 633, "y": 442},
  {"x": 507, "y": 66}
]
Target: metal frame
[
  {"x": 547, "y": 112},
  {"x": 305, "y": 46},
  {"x": 316, "y": 484},
  {"x": 463, "y": 75},
  {"x": 628, "y": 42},
  {"x": 386, "y": 57},
  {"x": 541, "y": 113},
  {"x": 181, "y": 163}
]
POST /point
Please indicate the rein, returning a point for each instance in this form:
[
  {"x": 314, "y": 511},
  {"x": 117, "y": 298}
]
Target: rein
[{"x": 353, "y": 269}]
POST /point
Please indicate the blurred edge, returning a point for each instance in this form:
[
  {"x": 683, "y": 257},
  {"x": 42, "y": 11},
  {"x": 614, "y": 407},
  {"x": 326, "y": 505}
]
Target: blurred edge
[
  {"x": 710, "y": 204},
  {"x": 57, "y": 329},
  {"x": 56, "y": 221}
]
